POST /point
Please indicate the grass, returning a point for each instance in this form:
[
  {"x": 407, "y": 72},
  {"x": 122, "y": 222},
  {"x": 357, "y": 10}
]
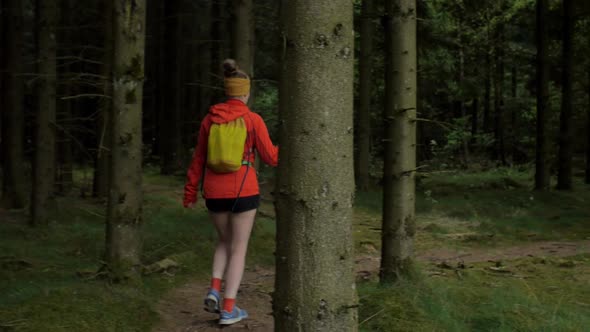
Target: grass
[
  {"x": 43, "y": 283},
  {"x": 495, "y": 208},
  {"x": 540, "y": 296},
  {"x": 42, "y": 290}
]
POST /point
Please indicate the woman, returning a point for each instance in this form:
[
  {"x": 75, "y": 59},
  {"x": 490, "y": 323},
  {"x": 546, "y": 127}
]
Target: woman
[{"x": 231, "y": 195}]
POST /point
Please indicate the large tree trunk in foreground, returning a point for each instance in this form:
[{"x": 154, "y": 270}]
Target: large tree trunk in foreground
[
  {"x": 315, "y": 286},
  {"x": 45, "y": 145},
  {"x": 103, "y": 157},
  {"x": 123, "y": 246},
  {"x": 564, "y": 170},
  {"x": 541, "y": 171},
  {"x": 363, "y": 135},
  {"x": 399, "y": 166},
  {"x": 13, "y": 191}
]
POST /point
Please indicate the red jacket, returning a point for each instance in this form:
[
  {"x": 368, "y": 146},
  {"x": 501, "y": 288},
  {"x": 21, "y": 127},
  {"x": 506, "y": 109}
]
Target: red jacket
[{"x": 227, "y": 185}]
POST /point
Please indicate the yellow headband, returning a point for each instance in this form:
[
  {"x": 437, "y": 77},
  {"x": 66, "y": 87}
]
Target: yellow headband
[{"x": 236, "y": 86}]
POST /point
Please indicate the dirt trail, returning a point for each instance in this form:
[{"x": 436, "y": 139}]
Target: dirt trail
[{"x": 181, "y": 310}]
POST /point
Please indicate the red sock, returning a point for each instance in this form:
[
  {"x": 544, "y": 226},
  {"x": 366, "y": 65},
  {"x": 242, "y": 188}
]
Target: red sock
[
  {"x": 228, "y": 304},
  {"x": 216, "y": 284}
]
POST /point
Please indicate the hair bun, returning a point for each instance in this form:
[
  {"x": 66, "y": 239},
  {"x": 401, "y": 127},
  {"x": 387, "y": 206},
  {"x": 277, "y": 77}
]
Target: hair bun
[{"x": 229, "y": 67}]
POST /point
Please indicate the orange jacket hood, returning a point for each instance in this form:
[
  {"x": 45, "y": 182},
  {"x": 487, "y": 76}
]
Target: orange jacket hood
[{"x": 228, "y": 111}]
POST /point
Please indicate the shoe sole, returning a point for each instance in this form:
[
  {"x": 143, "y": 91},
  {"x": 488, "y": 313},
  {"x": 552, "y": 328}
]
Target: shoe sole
[
  {"x": 232, "y": 320},
  {"x": 211, "y": 306}
]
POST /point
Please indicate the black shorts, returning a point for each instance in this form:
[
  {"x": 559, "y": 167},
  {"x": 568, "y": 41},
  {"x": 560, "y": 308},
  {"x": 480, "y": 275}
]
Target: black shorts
[{"x": 233, "y": 205}]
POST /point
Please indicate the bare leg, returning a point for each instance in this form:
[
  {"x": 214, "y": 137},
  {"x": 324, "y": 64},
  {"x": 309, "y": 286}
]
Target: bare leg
[
  {"x": 241, "y": 227},
  {"x": 222, "y": 249}
]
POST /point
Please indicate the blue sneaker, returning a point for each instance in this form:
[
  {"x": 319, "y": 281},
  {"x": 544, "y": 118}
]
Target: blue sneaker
[
  {"x": 212, "y": 301},
  {"x": 228, "y": 318}
]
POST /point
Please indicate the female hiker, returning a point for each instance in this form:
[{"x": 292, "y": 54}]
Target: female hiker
[{"x": 224, "y": 159}]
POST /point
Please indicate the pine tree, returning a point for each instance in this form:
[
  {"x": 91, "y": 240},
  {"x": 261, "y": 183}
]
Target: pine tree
[
  {"x": 124, "y": 220},
  {"x": 399, "y": 166},
  {"x": 315, "y": 287},
  {"x": 45, "y": 139}
]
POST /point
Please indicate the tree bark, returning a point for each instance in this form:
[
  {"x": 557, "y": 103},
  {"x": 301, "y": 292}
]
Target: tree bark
[
  {"x": 588, "y": 133},
  {"x": 474, "y": 118},
  {"x": 65, "y": 158},
  {"x": 513, "y": 118},
  {"x": 363, "y": 155},
  {"x": 243, "y": 36},
  {"x": 399, "y": 166},
  {"x": 542, "y": 81},
  {"x": 205, "y": 48},
  {"x": 221, "y": 37},
  {"x": 45, "y": 140},
  {"x": 500, "y": 148},
  {"x": 488, "y": 85},
  {"x": 124, "y": 219},
  {"x": 13, "y": 194},
  {"x": 170, "y": 108},
  {"x": 564, "y": 171},
  {"x": 315, "y": 287},
  {"x": 105, "y": 125}
]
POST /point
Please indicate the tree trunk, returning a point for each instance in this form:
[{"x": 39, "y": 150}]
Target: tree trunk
[
  {"x": 44, "y": 167},
  {"x": 65, "y": 159},
  {"x": 244, "y": 44},
  {"x": 461, "y": 79},
  {"x": 588, "y": 133},
  {"x": 499, "y": 149},
  {"x": 105, "y": 126},
  {"x": 399, "y": 166},
  {"x": 564, "y": 171},
  {"x": 363, "y": 136},
  {"x": 488, "y": 86},
  {"x": 513, "y": 118},
  {"x": 474, "y": 117},
  {"x": 123, "y": 245},
  {"x": 205, "y": 48},
  {"x": 13, "y": 195},
  {"x": 243, "y": 36},
  {"x": 315, "y": 287},
  {"x": 170, "y": 107},
  {"x": 221, "y": 37},
  {"x": 541, "y": 172}
]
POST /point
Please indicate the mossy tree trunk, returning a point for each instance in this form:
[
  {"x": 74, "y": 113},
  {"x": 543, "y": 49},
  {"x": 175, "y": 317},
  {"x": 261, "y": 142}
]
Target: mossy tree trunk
[
  {"x": 124, "y": 217},
  {"x": 400, "y": 140},
  {"x": 542, "y": 82},
  {"x": 45, "y": 126},
  {"x": 564, "y": 170},
  {"x": 315, "y": 287},
  {"x": 105, "y": 126},
  {"x": 13, "y": 191},
  {"x": 363, "y": 135}
]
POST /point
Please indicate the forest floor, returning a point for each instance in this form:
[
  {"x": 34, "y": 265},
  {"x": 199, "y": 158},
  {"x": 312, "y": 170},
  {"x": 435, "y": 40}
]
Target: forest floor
[{"x": 491, "y": 255}]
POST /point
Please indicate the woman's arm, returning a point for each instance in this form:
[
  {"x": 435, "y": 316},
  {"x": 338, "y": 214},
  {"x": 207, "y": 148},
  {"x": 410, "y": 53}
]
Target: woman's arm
[
  {"x": 197, "y": 167},
  {"x": 269, "y": 153}
]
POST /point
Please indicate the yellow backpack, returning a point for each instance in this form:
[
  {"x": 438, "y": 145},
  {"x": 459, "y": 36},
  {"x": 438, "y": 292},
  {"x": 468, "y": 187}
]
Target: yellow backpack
[{"x": 225, "y": 150}]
